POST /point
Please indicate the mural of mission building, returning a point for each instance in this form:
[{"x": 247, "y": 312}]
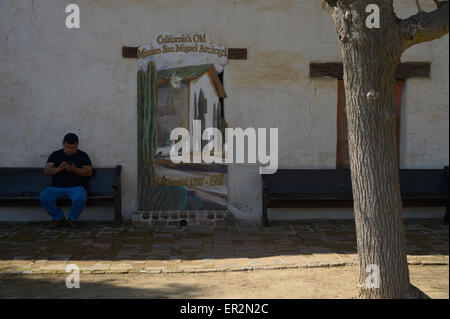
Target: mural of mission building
[
  {"x": 198, "y": 97},
  {"x": 178, "y": 88}
]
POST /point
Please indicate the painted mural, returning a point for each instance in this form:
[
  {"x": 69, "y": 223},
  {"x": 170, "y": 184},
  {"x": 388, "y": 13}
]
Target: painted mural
[{"x": 179, "y": 85}]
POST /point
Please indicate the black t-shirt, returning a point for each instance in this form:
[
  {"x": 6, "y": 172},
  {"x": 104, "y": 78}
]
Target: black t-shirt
[{"x": 66, "y": 178}]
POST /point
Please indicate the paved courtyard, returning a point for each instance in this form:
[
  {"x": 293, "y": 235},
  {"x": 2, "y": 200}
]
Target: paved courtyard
[{"x": 27, "y": 248}]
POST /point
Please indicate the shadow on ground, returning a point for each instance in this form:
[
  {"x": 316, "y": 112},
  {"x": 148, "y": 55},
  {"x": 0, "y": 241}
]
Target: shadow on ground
[
  {"x": 54, "y": 286},
  {"x": 101, "y": 241},
  {"x": 336, "y": 282}
]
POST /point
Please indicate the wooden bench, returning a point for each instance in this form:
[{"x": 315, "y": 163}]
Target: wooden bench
[
  {"x": 22, "y": 186},
  {"x": 301, "y": 188}
]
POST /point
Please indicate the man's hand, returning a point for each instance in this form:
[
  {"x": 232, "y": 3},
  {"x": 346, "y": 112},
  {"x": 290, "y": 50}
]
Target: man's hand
[
  {"x": 62, "y": 166},
  {"x": 84, "y": 171},
  {"x": 69, "y": 167},
  {"x": 50, "y": 170}
]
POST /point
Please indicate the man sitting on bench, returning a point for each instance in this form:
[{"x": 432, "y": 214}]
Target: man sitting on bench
[{"x": 70, "y": 169}]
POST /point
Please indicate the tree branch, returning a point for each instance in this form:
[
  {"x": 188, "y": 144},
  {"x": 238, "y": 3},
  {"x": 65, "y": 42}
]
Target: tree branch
[
  {"x": 439, "y": 3},
  {"x": 418, "y": 6},
  {"x": 328, "y": 5},
  {"x": 425, "y": 26}
]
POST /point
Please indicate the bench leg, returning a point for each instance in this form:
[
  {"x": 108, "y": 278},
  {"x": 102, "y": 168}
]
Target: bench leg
[
  {"x": 264, "y": 219},
  {"x": 118, "y": 210}
]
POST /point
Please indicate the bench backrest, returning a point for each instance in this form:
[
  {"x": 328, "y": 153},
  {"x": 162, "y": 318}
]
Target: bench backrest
[
  {"x": 102, "y": 180},
  {"x": 427, "y": 182},
  {"x": 309, "y": 182},
  {"x": 29, "y": 182},
  {"x": 22, "y": 181},
  {"x": 414, "y": 182}
]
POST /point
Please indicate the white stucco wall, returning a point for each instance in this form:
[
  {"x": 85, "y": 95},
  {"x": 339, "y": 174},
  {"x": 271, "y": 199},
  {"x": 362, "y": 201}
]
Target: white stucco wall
[{"x": 55, "y": 80}]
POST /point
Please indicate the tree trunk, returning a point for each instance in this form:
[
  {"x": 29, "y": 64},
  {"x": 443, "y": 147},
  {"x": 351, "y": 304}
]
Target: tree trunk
[
  {"x": 371, "y": 115},
  {"x": 370, "y": 57}
]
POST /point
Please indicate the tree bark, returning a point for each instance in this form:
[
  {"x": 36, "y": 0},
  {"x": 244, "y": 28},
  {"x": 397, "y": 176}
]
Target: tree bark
[
  {"x": 369, "y": 77},
  {"x": 370, "y": 57}
]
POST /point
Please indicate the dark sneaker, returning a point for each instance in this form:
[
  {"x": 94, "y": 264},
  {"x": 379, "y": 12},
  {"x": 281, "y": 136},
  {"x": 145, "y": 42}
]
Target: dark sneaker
[
  {"x": 74, "y": 225},
  {"x": 57, "y": 224}
]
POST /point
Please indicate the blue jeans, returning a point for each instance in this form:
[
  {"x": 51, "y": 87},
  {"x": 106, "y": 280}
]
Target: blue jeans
[{"x": 50, "y": 195}]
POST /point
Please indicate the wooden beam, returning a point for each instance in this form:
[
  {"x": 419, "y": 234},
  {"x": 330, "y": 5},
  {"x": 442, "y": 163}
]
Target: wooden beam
[
  {"x": 237, "y": 54},
  {"x": 331, "y": 69},
  {"x": 412, "y": 69},
  {"x": 404, "y": 70},
  {"x": 129, "y": 52},
  {"x": 233, "y": 53}
]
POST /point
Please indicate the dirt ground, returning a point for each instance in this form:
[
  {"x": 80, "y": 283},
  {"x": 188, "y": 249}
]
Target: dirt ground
[{"x": 336, "y": 282}]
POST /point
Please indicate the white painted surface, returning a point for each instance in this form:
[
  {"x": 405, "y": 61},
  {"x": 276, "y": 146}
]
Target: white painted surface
[
  {"x": 205, "y": 84},
  {"x": 55, "y": 80},
  {"x": 167, "y": 59}
]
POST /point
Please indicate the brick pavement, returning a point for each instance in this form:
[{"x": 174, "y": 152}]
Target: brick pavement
[{"x": 132, "y": 248}]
